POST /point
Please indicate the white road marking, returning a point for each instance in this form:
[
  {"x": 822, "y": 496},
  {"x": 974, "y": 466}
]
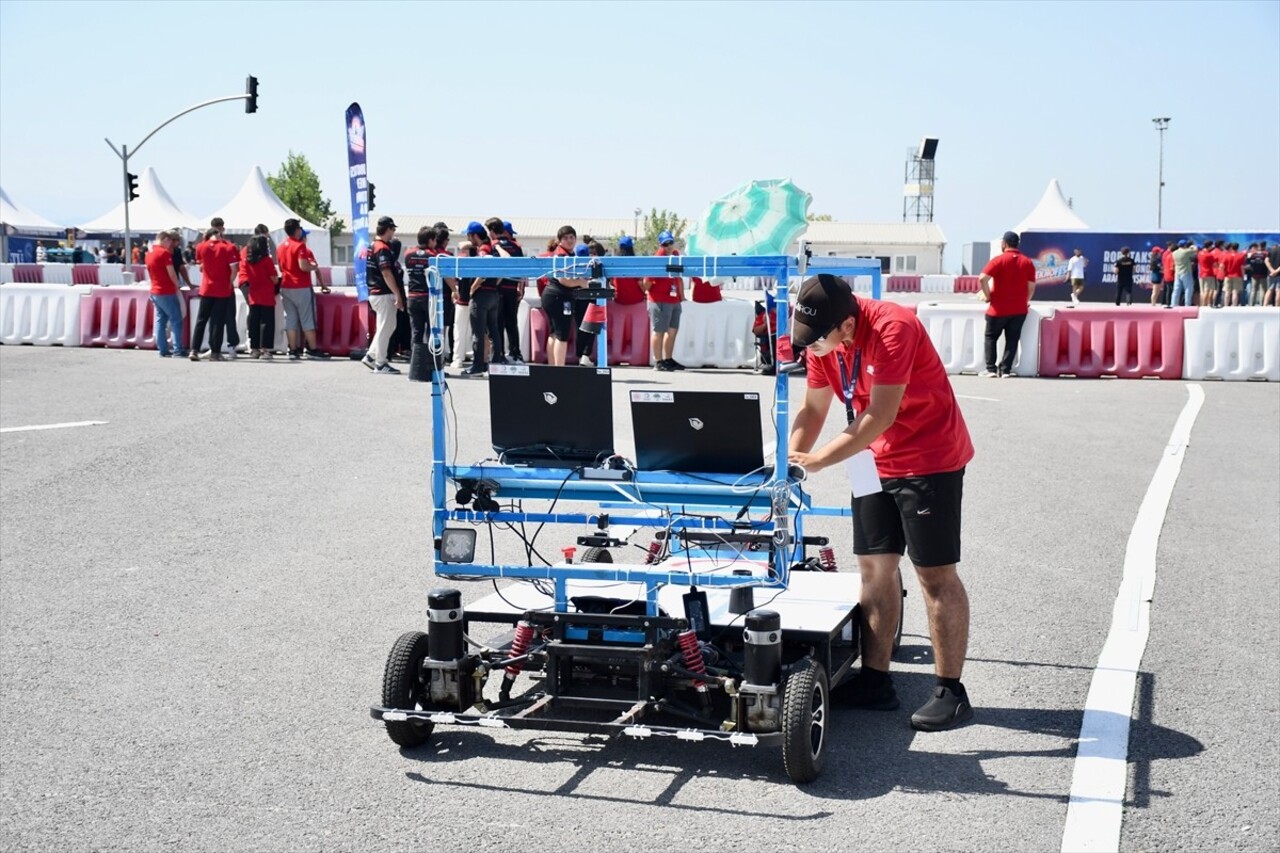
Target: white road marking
[
  {"x": 1099, "y": 779},
  {"x": 971, "y": 397},
  {"x": 52, "y": 426}
]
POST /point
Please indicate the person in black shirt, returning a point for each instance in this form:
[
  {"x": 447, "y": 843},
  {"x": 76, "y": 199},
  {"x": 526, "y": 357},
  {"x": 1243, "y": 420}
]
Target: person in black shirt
[
  {"x": 385, "y": 278},
  {"x": 511, "y": 290},
  {"x": 486, "y": 302},
  {"x": 1124, "y": 276},
  {"x": 416, "y": 263}
]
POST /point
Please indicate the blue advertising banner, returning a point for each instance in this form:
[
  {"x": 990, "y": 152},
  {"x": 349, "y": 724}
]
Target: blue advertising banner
[
  {"x": 1050, "y": 250},
  {"x": 359, "y": 198}
]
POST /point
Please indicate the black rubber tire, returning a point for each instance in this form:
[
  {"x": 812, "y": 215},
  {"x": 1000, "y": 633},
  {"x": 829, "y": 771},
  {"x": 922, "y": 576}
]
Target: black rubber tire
[
  {"x": 902, "y": 614},
  {"x": 402, "y": 688},
  {"x": 596, "y": 555},
  {"x": 806, "y": 708}
]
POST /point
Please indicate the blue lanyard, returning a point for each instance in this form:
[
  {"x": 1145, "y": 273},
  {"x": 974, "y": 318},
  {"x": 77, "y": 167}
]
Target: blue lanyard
[{"x": 846, "y": 387}]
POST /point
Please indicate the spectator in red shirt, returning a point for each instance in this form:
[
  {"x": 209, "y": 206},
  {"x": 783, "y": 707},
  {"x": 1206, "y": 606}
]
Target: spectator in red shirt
[
  {"x": 217, "y": 259},
  {"x": 1232, "y": 274},
  {"x": 164, "y": 296},
  {"x": 627, "y": 290},
  {"x": 296, "y": 265},
  {"x": 242, "y": 277},
  {"x": 1008, "y": 282},
  {"x": 665, "y": 295},
  {"x": 1208, "y": 264},
  {"x": 877, "y": 357},
  {"x": 261, "y": 282}
]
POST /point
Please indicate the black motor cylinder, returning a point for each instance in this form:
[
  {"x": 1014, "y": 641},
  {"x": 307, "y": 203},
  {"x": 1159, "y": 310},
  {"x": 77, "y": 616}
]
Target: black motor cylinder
[
  {"x": 763, "y": 647},
  {"x": 444, "y": 625}
]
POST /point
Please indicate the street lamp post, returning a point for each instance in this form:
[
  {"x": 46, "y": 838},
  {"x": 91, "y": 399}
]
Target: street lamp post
[
  {"x": 635, "y": 224},
  {"x": 123, "y": 152},
  {"x": 1162, "y": 124}
]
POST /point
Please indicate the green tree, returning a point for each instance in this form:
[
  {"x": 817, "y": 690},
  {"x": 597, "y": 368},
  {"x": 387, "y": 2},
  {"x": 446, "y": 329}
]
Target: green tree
[
  {"x": 819, "y": 217},
  {"x": 298, "y": 186},
  {"x": 654, "y": 224}
]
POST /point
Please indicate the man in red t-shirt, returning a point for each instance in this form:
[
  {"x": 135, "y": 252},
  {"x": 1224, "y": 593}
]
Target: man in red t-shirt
[
  {"x": 665, "y": 295},
  {"x": 164, "y": 296},
  {"x": 296, "y": 264},
  {"x": 1008, "y": 282},
  {"x": 1232, "y": 274},
  {"x": 877, "y": 357},
  {"x": 216, "y": 258},
  {"x": 1208, "y": 267}
]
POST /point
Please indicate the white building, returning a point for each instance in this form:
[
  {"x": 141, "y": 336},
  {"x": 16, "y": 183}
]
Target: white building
[{"x": 910, "y": 248}]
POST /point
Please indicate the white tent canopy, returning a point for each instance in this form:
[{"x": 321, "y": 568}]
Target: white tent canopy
[
  {"x": 19, "y": 220},
  {"x": 1052, "y": 213},
  {"x": 154, "y": 210},
  {"x": 256, "y": 203}
]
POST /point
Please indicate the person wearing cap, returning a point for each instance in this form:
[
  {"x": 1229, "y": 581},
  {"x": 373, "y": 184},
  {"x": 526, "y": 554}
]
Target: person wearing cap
[
  {"x": 296, "y": 263},
  {"x": 665, "y": 295},
  {"x": 217, "y": 259},
  {"x": 385, "y": 278},
  {"x": 486, "y": 305},
  {"x": 510, "y": 290},
  {"x": 627, "y": 290},
  {"x": 1008, "y": 282},
  {"x": 876, "y": 357}
]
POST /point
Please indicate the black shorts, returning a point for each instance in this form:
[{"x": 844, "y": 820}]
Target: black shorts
[
  {"x": 919, "y": 516},
  {"x": 555, "y": 300}
]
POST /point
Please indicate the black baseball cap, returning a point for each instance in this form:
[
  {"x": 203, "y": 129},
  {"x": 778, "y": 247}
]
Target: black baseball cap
[
  {"x": 1011, "y": 239},
  {"x": 824, "y": 302},
  {"x": 386, "y": 222}
]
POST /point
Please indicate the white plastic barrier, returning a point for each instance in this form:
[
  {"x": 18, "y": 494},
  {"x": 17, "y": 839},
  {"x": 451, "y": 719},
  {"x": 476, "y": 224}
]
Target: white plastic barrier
[
  {"x": 861, "y": 284},
  {"x": 958, "y": 332},
  {"x": 111, "y": 274},
  {"x": 339, "y": 276},
  {"x": 6, "y": 273},
  {"x": 41, "y": 314},
  {"x": 716, "y": 334},
  {"x": 937, "y": 283},
  {"x": 57, "y": 273},
  {"x": 1232, "y": 343},
  {"x": 527, "y": 305}
]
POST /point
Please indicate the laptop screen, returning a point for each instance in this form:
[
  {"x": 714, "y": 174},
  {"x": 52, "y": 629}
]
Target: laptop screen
[
  {"x": 552, "y": 417},
  {"x": 711, "y": 432}
]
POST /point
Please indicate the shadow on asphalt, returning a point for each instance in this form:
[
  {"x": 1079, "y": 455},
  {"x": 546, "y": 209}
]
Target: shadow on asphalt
[{"x": 870, "y": 754}]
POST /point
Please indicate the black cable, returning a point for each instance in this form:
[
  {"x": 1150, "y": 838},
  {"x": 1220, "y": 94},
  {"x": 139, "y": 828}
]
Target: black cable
[{"x": 554, "y": 501}]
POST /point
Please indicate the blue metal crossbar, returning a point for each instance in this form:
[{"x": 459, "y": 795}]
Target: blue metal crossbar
[{"x": 677, "y": 495}]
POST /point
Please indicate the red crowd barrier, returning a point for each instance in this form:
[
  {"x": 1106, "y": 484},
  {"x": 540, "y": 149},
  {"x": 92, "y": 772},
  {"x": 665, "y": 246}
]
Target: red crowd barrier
[
  {"x": 118, "y": 317},
  {"x": 28, "y": 274},
  {"x": 628, "y": 331},
  {"x": 966, "y": 284},
  {"x": 325, "y": 275},
  {"x": 139, "y": 272},
  {"x": 903, "y": 284},
  {"x": 84, "y": 274},
  {"x": 1129, "y": 343},
  {"x": 341, "y": 324}
]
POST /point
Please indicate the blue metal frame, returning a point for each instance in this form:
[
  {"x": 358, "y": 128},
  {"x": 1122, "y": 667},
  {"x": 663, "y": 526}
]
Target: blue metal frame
[{"x": 646, "y": 488}]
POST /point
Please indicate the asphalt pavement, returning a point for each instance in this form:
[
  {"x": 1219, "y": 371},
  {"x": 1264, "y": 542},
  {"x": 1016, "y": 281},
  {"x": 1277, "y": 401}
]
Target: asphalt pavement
[{"x": 197, "y": 598}]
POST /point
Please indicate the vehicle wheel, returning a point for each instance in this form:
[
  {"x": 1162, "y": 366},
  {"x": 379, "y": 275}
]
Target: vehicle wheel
[
  {"x": 402, "y": 688},
  {"x": 596, "y": 555},
  {"x": 902, "y": 614},
  {"x": 806, "y": 705}
]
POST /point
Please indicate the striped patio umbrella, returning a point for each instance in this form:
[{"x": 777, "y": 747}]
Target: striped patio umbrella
[{"x": 758, "y": 218}]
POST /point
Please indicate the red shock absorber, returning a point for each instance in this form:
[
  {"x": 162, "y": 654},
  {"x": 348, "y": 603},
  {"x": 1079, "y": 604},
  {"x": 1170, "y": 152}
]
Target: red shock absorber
[
  {"x": 692, "y": 652},
  {"x": 523, "y": 640},
  {"x": 655, "y": 548},
  {"x": 827, "y": 557}
]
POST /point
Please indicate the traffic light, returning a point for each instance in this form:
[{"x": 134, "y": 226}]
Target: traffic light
[
  {"x": 131, "y": 185},
  {"x": 371, "y": 205},
  {"x": 251, "y": 89}
]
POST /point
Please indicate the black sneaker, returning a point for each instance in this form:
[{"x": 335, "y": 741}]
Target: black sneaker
[
  {"x": 663, "y": 365},
  {"x": 515, "y": 358},
  {"x": 475, "y": 370},
  {"x": 386, "y": 369},
  {"x": 317, "y": 355},
  {"x": 858, "y": 692},
  {"x": 672, "y": 364},
  {"x": 294, "y": 355},
  {"x": 943, "y": 711}
]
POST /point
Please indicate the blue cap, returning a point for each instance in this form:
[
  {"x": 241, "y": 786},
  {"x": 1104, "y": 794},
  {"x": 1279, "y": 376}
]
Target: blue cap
[
  {"x": 474, "y": 227},
  {"x": 665, "y": 237},
  {"x": 626, "y": 241},
  {"x": 510, "y": 230},
  {"x": 581, "y": 250}
]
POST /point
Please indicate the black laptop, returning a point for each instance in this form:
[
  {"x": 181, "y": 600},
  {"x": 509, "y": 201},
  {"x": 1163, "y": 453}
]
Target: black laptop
[
  {"x": 551, "y": 417},
  {"x": 710, "y": 432}
]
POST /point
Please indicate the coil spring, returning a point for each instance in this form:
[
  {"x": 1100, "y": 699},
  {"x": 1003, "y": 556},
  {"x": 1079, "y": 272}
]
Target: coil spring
[
  {"x": 692, "y": 652},
  {"x": 520, "y": 645},
  {"x": 827, "y": 557}
]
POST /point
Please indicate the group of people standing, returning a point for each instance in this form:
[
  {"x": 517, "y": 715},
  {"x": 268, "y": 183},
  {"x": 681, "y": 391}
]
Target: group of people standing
[
  {"x": 261, "y": 275},
  {"x": 1215, "y": 274}
]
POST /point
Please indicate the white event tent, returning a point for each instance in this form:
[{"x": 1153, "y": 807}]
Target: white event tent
[
  {"x": 1052, "y": 213},
  {"x": 16, "y": 220},
  {"x": 256, "y": 203},
  {"x": 154, "y": 210}
]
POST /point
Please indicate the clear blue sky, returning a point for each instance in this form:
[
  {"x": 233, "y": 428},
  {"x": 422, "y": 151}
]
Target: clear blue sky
[{"x": 593, "y": 109}]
